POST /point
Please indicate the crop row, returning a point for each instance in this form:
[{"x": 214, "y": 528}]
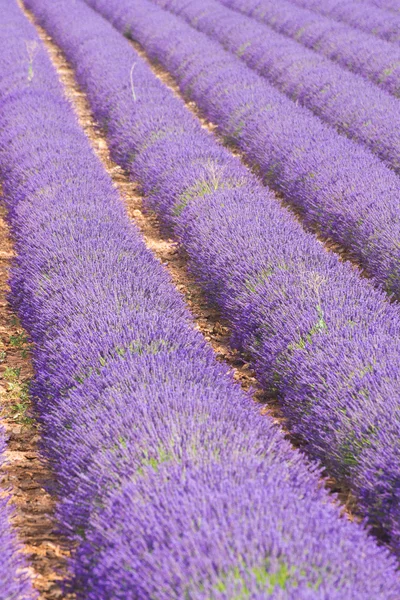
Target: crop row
[
  {"x": 296, "y": 308},
  {"x": 327, "y": 89},
  {"x": 15, "y": 583},
  {"x": 169, "y": 479},
  {"x": 370, "y": 19},
  {"x": 391, "y": 5},
  {"x": 372, "y": 58},
  {"x": 338, "y": 185}
]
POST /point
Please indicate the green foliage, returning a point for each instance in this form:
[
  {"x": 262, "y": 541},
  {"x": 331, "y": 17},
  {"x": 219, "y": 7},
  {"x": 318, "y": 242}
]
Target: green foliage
[
  {"x": 267, "y": 580},
  {"x": 352, "y": 446},
  {"x": 207, "y": 185},
  {"x": 360, "y": 373},
  {"x": 18, "y": 340},
  {"x": 348, "y": 451},
  {"x": 319, "y": 326},
  {"x": 271, "y": 173},
  {"x": 160, "y": 134},
  {"x": 122, "y": 441},
  {"x": 253, "y": 282},
  {"x": 134, "y": 347},
  {"x": 128, "y": 33},
  {"x": 81, "y": 531},
  {"x": 155, "y": 461},
  {"x": 83, "y": 375},
  {"x": 237, "y": 120},
  {"x": 12, "y": 374},
  {"x": 240, "y": 51},
  {"x": 299, "y": 33},
  {"x": 20, "y": 393}
]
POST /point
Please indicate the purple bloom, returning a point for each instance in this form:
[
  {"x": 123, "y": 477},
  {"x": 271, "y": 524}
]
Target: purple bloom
[
  {"x": 336, "y": 184},
  {"x": 297, "y": 309},
  {"x": 372, "y": 58},
  {"x": 391, "y": 5},
  {"x": 371, "y": 19},
  {"x": 170, "y": 481},
  {"x": 344, "y": 100}
]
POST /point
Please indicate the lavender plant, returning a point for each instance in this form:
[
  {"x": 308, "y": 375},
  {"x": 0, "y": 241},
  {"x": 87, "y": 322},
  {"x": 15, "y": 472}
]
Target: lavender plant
[
  {"x": 372, "y": 58},
  {"x": 328, "y": 90},
  {"x": 391, "y": 5},
  {"x": 338, "y": 186},
  {"x": 170, "y": 481},
  {"x": 370, "y": 19},
  {"x": 322, "y": 339}
]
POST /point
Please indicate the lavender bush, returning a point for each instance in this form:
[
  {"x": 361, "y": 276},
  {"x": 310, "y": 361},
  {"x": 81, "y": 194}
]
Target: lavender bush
[
  {"x": 328, "y": 90},
  {"x": 293, "y": 306},
  {"x": 15, "y": 583},
  {"x": 390, "y": 5},
  {"x": 339, "y": 186},
  {"x": 370, "y": 19},
  {"x": 170, "y": 481},
  {"x": 372, "y": 58}
]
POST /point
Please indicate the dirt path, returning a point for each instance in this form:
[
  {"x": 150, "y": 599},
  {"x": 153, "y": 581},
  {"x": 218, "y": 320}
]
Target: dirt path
[{"x": 24, "y": 471}]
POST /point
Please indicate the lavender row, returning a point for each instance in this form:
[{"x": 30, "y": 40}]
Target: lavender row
[
  {"x": 297, "y": 309},
  {"x": 170, "y": 481},
  {"x": 15, "y": 583},
  {"x": 372, "y": 58},
  {"x": 344, "y": 100},
  {"x": 391, "y": 5},
  {"x": 370, "y": 19},
  {"x": 337, "y": 185}
]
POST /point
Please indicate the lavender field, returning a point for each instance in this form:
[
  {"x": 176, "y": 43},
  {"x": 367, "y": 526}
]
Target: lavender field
[{"x": 199, "y": 299}]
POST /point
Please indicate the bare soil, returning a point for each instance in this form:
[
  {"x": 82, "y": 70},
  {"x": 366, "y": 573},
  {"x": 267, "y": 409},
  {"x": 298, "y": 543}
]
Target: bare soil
[{"x": 328, "y": 243}]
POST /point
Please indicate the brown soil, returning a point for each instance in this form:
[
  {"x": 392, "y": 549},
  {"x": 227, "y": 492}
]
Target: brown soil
[{"x": 25, "y": 473}]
